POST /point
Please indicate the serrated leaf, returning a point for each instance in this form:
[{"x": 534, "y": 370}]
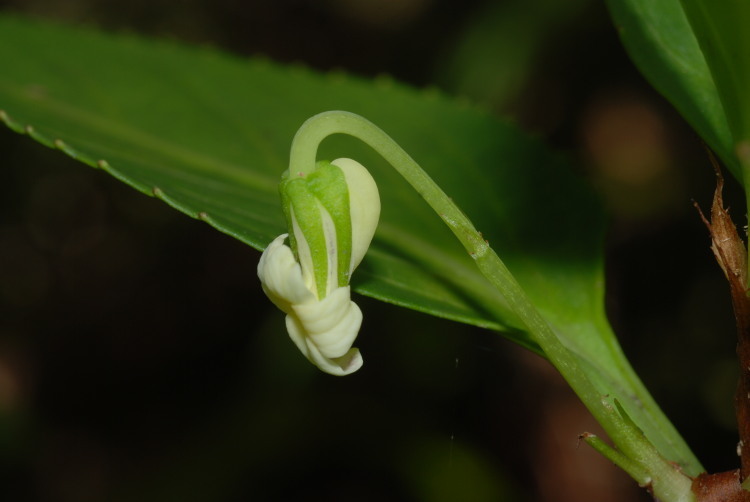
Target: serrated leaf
[{"x": 209, "y": 134}]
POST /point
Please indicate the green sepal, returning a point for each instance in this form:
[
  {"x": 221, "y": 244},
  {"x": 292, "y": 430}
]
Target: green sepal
[
  {"x": 300, "y": 205},
  {"x": 328, "y": 183},
  {"x": 303, "y": 196}
]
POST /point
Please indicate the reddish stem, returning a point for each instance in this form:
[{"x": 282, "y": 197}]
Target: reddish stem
[{"x": 730, "y": 253}]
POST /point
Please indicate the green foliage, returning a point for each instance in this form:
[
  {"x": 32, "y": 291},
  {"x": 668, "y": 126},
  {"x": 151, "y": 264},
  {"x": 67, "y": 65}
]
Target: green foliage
[
  {"x": 209, "y": 135},
  {"x": 662, "y": 44},
  {"x": 721, "y": 31}
]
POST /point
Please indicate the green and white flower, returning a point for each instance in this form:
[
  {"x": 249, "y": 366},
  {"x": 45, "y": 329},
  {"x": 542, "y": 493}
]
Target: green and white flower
[{"x": 332, "y": 213}]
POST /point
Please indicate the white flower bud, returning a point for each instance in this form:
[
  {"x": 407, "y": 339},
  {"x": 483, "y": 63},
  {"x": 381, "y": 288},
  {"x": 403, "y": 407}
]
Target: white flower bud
[{"x": 332, "y": 213}]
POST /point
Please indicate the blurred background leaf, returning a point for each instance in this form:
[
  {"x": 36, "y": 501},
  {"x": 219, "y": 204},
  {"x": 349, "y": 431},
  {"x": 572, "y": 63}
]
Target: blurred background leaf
[
  {"x": 663, "y": 45},
  {"x": 495, "y": 57},
  {"x": 723, "y": 39}
]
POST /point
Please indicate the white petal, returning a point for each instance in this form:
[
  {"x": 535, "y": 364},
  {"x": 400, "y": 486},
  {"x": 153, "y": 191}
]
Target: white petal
[
  {"x": 281, "y": 276},
  {"x": 329, "y": 230},
  {"x": 304, "y": 254},
  {"x": 346, "y": 364},
  {"x": 325, "y": 330},
  {"x": 332, "y": 324},
  {"x": 364, "y": 203},
  {"x": 322, "y": 330},
  {"x": 350, "y": 362}
]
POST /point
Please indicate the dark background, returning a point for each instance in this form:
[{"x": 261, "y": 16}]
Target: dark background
[{"x": 140, "y": 361}]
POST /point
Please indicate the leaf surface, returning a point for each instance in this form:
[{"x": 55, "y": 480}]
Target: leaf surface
[{"x": 209, "y": 134}]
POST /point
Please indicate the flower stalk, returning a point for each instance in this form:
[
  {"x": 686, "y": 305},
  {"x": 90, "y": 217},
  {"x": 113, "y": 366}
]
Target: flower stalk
[{"x": 646, "y": 463}]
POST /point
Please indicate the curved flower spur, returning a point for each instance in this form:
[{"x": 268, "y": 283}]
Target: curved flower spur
[{"x": 332, "y": 213}]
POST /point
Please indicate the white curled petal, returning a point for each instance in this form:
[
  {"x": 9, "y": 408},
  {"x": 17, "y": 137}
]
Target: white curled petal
[
  {"x": 332, "y": 324},
  {"x": 298, "y": 334},
  {"x": 304, "y": 254},
  {"x": 364, "y": 206},
  {"x": 324, "y": 315},
  {"x": 325, "y": 330},
  {"x": 281, "y": 276},
  {"x": 348, "y": 363},
  {"x": 322, "y": 330}
]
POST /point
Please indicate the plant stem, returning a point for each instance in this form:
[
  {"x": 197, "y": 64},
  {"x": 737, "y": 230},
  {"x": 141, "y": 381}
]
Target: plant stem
[
  {"x": 667, "y": 482},
  {"x": 635, "y": 470},
  {"x": 731, "y": 254},
  {"x": 741, "y": 304}
]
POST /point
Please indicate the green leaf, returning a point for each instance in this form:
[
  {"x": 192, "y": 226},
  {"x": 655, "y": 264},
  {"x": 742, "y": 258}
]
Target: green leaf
[
  {"x": 209, "y": 134},
  {"x": 661, "y": 42},
  {"x": 721, "y": 30}
]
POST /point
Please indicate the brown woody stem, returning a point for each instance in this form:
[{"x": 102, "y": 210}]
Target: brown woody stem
[
  {"x": 721, "y": 487},
  {"x": 731, "y": 254}
]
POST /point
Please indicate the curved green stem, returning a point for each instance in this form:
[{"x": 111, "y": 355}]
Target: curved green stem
[{"x": 665, "y": 479}]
